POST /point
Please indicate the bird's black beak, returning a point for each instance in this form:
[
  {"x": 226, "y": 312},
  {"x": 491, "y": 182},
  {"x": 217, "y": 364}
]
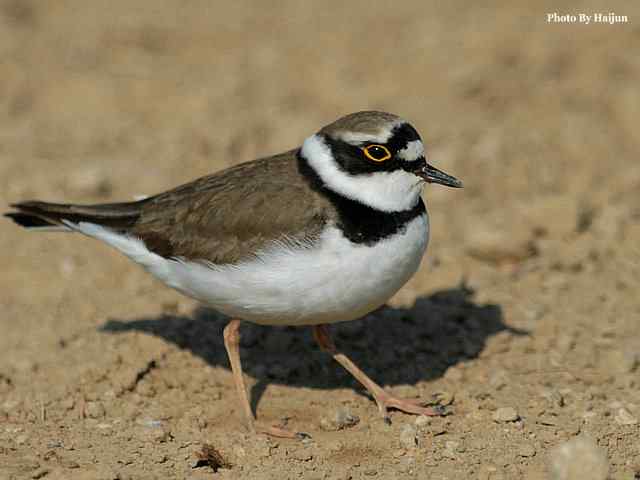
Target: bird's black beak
[{"x": 432, "y": 175}]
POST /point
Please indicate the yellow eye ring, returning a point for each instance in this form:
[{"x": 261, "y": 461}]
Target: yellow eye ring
[{"x": 377, "y": 153}]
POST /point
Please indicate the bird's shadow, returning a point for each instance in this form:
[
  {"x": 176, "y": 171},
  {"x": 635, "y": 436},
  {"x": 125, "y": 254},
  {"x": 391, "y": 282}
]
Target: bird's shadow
[{"x": 393, "y": 345}]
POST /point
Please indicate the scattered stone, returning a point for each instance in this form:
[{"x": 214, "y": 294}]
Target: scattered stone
[
  {"x": 499, "y": 247},
  {"x": 341, "y": 419},
  {"x": 409, "y": 437},
  {"x": 40, "y": 473},
  {"x": 623, "y": 361},
  {"x": 498, "y": 379},
  {"x": 161, "y": 435},
  {"x": 70, "y": 464},
  {"x": 344, "y": 418},
  {"x": 150, "y": 423},
  {"x": 336, "y": 447},
  {"x": 68, "y": 403},
  {"x": 506, "y": 414},
  {"x": 439, "y": 428},
  {"x": 554, "y": 397},
  {"x": 624, "y": 417},
  {"x": 21, "y": 439},
  {"x": 490, "y": 472},
  {"x": 422, "y": 421},
  {"x": 527, "y": 450},
  {"x": 371, "y": 472},
  {"x": 302, "y": 455},
  {"x": 579, "y": 458},
  {"x": 443, "y": 399},
  {"x": 146, "y": 389},
  {"x": 451, "y": 448},
  {"x": 239, "y": 451},
  {"x": 94, "y": 410}
]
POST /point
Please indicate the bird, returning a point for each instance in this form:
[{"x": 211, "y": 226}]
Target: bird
[{"x": 326, "y": 232}]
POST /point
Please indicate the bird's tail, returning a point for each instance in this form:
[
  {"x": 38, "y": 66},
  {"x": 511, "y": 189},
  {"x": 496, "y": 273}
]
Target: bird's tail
[{"x": 39, "y": 215}]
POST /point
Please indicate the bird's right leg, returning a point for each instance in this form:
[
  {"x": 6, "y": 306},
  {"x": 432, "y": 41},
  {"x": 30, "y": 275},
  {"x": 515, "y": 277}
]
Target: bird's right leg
[{"x": 232, "y": 344}]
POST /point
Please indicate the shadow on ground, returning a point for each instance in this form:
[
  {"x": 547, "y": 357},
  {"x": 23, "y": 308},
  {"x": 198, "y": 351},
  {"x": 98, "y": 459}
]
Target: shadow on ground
[{"x": 393, "y": 345}]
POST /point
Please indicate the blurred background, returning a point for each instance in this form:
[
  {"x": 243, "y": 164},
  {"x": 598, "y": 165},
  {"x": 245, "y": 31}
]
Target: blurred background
[{"x": 102, "y": 101}]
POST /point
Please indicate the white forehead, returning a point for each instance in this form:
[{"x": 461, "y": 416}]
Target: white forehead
[{"x": 381, "y": 136}]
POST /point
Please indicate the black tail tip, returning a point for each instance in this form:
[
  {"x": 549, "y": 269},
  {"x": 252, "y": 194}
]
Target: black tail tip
[{"x": 28, "y": 221}]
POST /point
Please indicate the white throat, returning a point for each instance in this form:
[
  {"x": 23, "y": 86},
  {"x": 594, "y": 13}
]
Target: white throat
[{"x": 386, "y": 191}]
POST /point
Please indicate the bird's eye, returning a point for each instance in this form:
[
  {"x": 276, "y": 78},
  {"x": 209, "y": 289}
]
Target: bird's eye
[{"x": 377, "y": 153}]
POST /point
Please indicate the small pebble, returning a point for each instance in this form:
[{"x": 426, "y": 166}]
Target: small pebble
[
  {"x": 624, "y": 417},
  {"x": 451, "y": 448},
  {"x": 398, "y": 453},
  {"x": 498, "y": 246},
  {"x": 336, "y": 446},
  {"x": 342, "y": 418},
  {"x": 409, "y": 437},
  {"x": 422, "y": 421},
  {"x": 579, "y": 458},
  {"x": 527, "y": 450},
  {"x": 94, "y": 410},
  {"x": 505, "y": 414},
  {"x": 150, "y": 423},
  {"x": 443, "y": 398},
  {"x": 40, "y": 473},
  {"x": 554, "y": 397},
  {"x": 161, "y": 435},
  {"x": 302, "y": 455},
  {"x": 66, "y": 463}
]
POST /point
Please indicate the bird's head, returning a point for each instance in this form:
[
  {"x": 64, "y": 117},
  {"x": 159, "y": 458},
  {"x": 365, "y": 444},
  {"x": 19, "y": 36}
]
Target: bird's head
[{"x": 375, "y": 158}]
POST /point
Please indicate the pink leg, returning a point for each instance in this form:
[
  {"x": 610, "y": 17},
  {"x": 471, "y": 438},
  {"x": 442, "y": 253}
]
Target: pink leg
[
  {"x": 232, "y": 344},
  {"x": 383, "y": 399}
]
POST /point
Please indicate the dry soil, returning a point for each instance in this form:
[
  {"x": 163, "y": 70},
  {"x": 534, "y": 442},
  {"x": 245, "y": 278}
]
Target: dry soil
[{"x": 523, "y": 319}]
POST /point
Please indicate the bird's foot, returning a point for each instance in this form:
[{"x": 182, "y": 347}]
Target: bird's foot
[{"x": 414, "y": 407}]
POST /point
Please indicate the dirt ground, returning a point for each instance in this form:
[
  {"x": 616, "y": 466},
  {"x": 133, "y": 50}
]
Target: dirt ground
[{"x": 523, "y": 319}]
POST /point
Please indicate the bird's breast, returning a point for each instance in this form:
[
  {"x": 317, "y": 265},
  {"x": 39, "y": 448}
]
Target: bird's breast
[{"x": 334, "y": 279}]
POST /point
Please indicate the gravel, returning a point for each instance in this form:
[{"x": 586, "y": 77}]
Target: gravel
[
  {"x": 625, "y": 417},
  {"x": 506, "y": 414},
  {"x": 579, "y": 459},
  {"x": 409, "y": 437}
]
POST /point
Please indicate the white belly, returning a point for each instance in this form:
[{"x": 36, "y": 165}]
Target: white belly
[{"x": 334, "y": 281}]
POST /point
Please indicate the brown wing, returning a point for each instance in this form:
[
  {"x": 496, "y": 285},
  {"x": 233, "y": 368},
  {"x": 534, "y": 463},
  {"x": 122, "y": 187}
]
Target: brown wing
[{"x": 225, "y": 217}]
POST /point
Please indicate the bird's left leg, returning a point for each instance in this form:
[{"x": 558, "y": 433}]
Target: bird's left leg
[{"x": 383, "y": 399}]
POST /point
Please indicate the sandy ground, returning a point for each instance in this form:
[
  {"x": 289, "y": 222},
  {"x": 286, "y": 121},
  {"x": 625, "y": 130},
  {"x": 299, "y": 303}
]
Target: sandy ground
[{"x": 523, "y": 319}]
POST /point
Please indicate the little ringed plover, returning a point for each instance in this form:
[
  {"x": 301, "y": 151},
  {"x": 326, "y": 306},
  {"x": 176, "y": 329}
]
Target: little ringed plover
[{"x": 323, "y": 233}]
